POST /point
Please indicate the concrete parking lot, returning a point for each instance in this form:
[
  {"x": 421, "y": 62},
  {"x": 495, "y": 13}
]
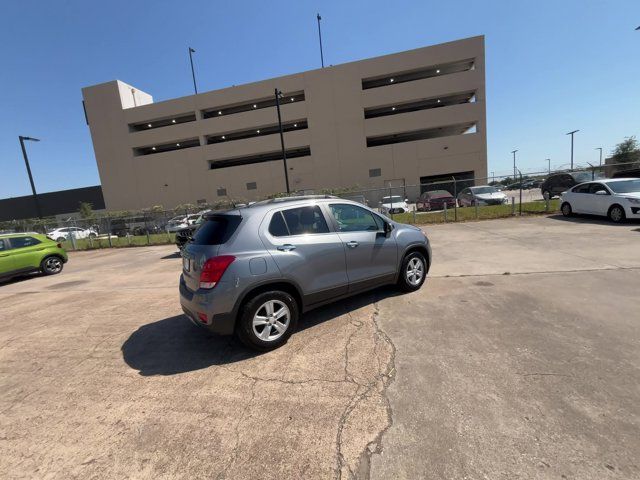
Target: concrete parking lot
[{"x": 519, "y": 358}]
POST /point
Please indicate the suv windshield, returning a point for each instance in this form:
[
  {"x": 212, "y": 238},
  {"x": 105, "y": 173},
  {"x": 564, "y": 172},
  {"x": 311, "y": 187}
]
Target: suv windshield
[
  {"x": 481, "y": 190},
  {"x": 585, "y": 176},
  {"x": 216, "y": 230},
  {"x": 625, "y": 186}
]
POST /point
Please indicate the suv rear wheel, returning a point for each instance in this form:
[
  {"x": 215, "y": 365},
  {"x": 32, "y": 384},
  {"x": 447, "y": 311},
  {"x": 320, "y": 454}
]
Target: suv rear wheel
[
  {"x": 268, "y": 320},
  {"x": 413, "y": 272}
]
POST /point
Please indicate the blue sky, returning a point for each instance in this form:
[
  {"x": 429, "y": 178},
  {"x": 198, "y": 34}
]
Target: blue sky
[{"x": 552, "y": 66}]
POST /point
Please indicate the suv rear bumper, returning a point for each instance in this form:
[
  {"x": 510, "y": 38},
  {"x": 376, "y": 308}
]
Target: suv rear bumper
[{"x": 192, "y": 303}]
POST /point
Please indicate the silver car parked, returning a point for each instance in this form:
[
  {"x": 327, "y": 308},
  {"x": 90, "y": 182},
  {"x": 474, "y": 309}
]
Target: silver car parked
[{"x": 252, "y": 271}]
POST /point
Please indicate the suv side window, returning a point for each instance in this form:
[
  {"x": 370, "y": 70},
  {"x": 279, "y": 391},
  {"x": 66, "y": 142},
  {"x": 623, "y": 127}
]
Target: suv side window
[
  {"x": 304, "y": 220},
  {"x": 22, "y": 242},
  {"x": 351, "y": 218},
  {"x": 277, "y": 227}
]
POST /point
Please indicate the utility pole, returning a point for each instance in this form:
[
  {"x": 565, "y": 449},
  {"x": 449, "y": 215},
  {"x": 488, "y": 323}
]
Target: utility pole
[
  {"x": 193, "y": 73},
  {"x": 320, "y": 37},
  {"x": 599, "y": 148},
  {"x": 26, "y": 161},
  {"x": 572, "y": 133},
  {"x": 515, "y": 171},
  {"x": 279, "y": 95}
]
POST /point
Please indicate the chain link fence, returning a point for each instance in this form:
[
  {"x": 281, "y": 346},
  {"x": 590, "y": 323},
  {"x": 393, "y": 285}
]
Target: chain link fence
[{"x": 450, "y": 199}]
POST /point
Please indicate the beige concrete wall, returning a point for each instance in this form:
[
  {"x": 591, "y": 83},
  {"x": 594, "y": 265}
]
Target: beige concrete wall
[{"x": 336, "y": 134}]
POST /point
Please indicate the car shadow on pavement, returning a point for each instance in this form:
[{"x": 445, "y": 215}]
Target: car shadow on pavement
[
  {"x": 174, "y": 345},
  {"x": 20, "y": 278},
  {"x": 170, "y": 256},
  {"x": 593, "y": 219}
]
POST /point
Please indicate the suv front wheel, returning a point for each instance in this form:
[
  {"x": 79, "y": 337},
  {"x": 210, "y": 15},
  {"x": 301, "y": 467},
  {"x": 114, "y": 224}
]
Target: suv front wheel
[
  {"x": 51, "y": 265},
  {"x": 268, "y": 320},
  {"x": 413, "y": 272}
]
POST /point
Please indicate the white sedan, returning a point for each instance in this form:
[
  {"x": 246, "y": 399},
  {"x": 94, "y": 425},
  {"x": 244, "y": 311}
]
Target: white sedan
[
  {"x": 393, "y": 204},
  {"x": 65, "y": 233},
  {"x": 617, "y": 198}
]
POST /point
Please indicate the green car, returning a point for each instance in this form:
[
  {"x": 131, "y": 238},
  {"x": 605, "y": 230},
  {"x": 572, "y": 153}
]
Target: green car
[{"x": 30, "y": 252}]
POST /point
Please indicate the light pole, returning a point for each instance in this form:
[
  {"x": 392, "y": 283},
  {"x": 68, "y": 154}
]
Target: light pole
[
  {"x": 549, "y": 165},
  {"x": 279, "y": 95},
  {"x": 599, "y": 148},
  {"x": 193, "y": 73},
  {"x": 514, "y": 165},
  {"x": 320, "y": 37},
  {"x": 572, "y": 133},
  {"x": 493, "y": 177},
  {"x": 26, "y": 161}
]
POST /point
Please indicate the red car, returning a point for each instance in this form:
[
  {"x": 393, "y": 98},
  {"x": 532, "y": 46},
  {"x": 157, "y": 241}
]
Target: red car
[{"x": 435, "y": 200}]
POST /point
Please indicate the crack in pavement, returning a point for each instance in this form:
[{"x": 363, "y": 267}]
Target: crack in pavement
[{"x": 379, "y": 384}]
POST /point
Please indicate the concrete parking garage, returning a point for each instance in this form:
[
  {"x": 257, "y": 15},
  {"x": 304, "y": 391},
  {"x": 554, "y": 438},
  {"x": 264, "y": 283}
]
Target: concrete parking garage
[{"x": 518, "y": 359}]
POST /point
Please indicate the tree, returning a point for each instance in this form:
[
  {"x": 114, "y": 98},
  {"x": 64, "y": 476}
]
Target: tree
[
  {"x": 627, "y": 151},
  {"x": 86, "y": 210}
]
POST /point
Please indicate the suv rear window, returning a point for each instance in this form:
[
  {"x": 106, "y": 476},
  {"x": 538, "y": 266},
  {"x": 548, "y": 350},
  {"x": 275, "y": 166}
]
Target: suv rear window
[{"x": 216, "y": 230}]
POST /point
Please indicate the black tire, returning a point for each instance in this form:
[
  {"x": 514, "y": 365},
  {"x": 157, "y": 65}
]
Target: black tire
[
  {"x": 547, "y": 195},
  {"x": 92, "y": 236},
  {"x": 405, "y": 281},
  {"x": 60, "y": 239},
  {"x": 51, "y": 265},
  {"x": 251, "y": 336},
  {"x": 616, "y": 214},
  {"x": 566, "y": 209}
]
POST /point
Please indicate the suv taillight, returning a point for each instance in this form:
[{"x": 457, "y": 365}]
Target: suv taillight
[{"x": 213, "y": 269}]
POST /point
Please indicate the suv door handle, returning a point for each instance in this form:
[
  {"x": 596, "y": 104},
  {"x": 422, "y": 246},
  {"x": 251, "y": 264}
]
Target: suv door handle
[
  {"x": 352, "y": 244},
  {"x": 287, "y": 247}
]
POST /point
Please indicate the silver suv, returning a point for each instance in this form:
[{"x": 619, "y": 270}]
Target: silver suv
[{"x": 254, "y": 270}]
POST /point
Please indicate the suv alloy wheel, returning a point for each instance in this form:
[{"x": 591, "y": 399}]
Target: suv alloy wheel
[{"x": 268, "y": 320}]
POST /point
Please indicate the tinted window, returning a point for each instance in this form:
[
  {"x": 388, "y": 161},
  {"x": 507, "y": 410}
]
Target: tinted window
[
  {"x": 351, "y": 218},
  {"x": 305, "y": 220},
  {"x": 597, "y": 187},
  {"x": 582, "y": 188},
  {"x": 22, "y": 242},
  {"x": 216, "y": 230},
  {"x": 277, "y": 227}
]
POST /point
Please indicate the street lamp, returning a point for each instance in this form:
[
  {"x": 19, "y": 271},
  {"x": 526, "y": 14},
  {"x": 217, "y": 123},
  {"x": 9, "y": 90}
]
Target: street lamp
[
  {"x": 599, "y": 148},
  {"x": 514, "y": 165},
  {"x": 279, "y": 95},
  {"x": 572, "y": 133},
  {"x": 549, "y": 165},
  {"x": 26, "y": 161},
  {"x": 320, "y": 37},
  {"x": 193, "y": 73}
]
